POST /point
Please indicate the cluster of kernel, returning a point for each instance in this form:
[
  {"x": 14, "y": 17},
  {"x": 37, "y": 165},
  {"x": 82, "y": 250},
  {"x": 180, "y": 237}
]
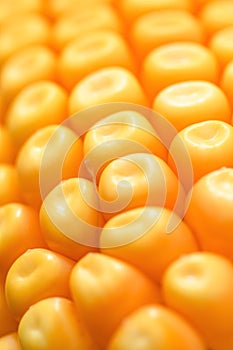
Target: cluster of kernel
[{"x": 114, "y": 279}]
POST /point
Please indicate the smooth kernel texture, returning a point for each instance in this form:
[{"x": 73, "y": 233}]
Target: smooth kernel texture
[
  {"x": 19, "y": 231},
  {"x": 36, "y": 106},
  {"x": 227, "y": 82},
  {"x": 133, "y": 9},
  {"x": 137, "y": 180},
  {"x": 209, "y": 144},
  {"x": 68, "y": 331},
  {"x": 119, "y": 134},
  {"x": 155, "y": 327},
  {"x": 26, "y": 67},
  {"x": 56, "y": 8},
  {"x": 199, "y": 286},
  {"x": 10, "y": 190},
  {"x": 140, "y": 237},
  {"x": 98, "y": 283},
  {"x": 113, "y": 84},
  {"x": 84, "y": 251},
  {"x": 190, "y": 102},
  {"x": 76, "y": 24},
  {"x": 161, "y": 27},
  {"x": 69, "y": 218},
  {"x": 93, "y": 51},
  {"x": 221, "y": 45},
  {"x": 216, "y": 15},
  {"x": 209, "y": 214},
  {"x": 51, "y": 154},
  {"x": 10, "y": 342},
  {"x": 177, "y": 62},
  {"x": 10, "y": 8},
  {"x": 29, "y": 28},
  {"x": 36, "y": 275}
]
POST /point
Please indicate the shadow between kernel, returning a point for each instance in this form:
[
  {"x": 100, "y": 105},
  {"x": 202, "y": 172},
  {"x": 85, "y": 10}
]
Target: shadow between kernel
[{"x": 79, "y": 124}]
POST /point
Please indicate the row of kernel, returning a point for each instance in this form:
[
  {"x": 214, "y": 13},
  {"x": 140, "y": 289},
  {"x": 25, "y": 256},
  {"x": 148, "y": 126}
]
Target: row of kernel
[{"x": 94, "y": 50}]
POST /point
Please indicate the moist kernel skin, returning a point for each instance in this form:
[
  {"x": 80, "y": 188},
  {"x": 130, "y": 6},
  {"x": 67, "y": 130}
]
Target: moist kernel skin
[{"x": 116, "y": 161}]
